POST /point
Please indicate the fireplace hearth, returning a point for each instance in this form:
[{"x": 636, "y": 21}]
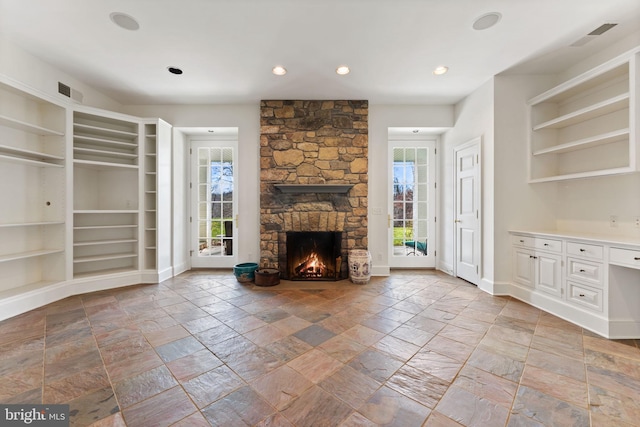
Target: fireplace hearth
[{"x": 314, "y": 255}]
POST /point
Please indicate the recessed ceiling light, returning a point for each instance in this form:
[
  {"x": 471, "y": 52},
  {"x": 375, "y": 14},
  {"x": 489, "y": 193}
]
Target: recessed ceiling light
[
  {"x": 279, "y": 70},
  {"x": 125, "y": 21},
  {"x": 343, "y": 70},
  {"x": 487, "y": 20},
  {"x": 440, "y": 70},
  {"x": 174, "y": 70}
]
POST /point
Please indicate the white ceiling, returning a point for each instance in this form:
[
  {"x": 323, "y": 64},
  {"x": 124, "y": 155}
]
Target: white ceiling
[{"x": 227, "y": 48}]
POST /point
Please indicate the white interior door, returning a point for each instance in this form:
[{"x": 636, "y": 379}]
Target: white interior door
[
  {"x": 213, "y": 204},
  {"x": 412, "y": 204},
  {"x": 467, "y": 212}
]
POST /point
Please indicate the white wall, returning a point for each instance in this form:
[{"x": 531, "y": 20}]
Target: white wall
[
  {"x": 247, "y": 119},
  {"x": 517, "y": 204},
  {"x": 179, "y": 203},
  {"x": 473, "y": 118},
  {"x": 584, "y": 206},
  {"x": 22, "y": 67},
  {"x": 381, "y": 118}
]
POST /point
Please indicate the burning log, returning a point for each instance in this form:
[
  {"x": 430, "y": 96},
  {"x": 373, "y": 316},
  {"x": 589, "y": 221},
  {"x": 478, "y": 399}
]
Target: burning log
[{"x": 305, "y": 266}]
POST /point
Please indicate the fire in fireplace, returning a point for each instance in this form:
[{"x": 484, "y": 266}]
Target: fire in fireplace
[{"x": 314, "y": 255}]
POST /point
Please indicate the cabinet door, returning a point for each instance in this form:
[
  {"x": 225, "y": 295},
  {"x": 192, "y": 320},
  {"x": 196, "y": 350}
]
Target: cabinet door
[
  {"x": 548, "y": 273},
  {"x": 523, "y": 272}
]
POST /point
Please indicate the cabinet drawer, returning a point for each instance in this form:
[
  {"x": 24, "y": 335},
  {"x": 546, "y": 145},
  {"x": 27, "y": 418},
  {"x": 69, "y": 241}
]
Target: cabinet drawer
[
  {"x": 590, "y": 272},
  {"x": 585, "y": 296},
  {"x": 548, "y": 245},
  {"x": 522, "y": 241},
  {"x": 584, "y": 250},
  {"x": 624, "y": 257}
]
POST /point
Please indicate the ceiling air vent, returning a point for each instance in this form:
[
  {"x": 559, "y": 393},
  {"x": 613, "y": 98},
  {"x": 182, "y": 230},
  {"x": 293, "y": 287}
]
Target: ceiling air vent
[
  {"x": 597, "y": 32},
  {"x": 67, "y": 91}
]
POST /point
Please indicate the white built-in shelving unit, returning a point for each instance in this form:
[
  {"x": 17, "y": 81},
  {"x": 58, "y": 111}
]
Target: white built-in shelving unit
[
  {"x": 86, "y": 199},
  {"x": 587, "y": 126},
  {"x": 156, "y": 193},
  {"x": 32, "y": 214},
  {"x": 150, "y": 188},
  {"x": 106, "y": 217}
]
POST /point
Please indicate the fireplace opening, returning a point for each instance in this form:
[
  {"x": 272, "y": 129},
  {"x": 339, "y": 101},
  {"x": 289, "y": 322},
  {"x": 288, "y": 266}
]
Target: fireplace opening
[{"x": 314, "y": 255}]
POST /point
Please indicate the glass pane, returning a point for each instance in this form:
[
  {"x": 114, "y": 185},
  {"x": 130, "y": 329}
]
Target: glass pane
[
  {"x": 408, "y": 193},
  {"x": 227, "y": 210},
  {"x": 423, "y": 158},
  {"x": 203, "y": 156},
  {"x": 202, "y": 192},
  {"x": 422, "y": 229},
  {"x": 398, "y": 210},
  {"x": 203, "y": 229},
  {"x": 422, "y": 174},
  {"x": 408, "y": 210},
  {"x": 421, "y": 210},
  {"x": 202, "y": 175}
]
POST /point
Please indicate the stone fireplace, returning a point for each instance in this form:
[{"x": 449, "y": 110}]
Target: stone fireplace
[{"x": 312, "y": 147}]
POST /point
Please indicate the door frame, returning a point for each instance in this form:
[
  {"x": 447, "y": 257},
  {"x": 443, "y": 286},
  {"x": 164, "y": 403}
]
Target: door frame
[{"x": 478, "y": 143}]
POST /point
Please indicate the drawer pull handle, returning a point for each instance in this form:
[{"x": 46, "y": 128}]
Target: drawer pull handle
[
  {"x": 582, "y": 295},
  {"x": 582, "y": 271},
  {"x": 637, "y": 258},
  {"x": 582, "y": 250},
  {"x": 521, "y": 241},
  {"x": 546, "y": 244}
]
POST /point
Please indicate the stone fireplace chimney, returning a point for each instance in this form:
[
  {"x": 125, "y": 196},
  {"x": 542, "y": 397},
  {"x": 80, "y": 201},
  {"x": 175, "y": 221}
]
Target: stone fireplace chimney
[{"x": 312, "y": 142}]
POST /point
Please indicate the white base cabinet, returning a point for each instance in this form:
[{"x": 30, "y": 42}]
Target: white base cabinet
[
  {"x": 593, "y": 281},
  {"x": 539, "y": 269},
  {"x": 87, "y": 199}
]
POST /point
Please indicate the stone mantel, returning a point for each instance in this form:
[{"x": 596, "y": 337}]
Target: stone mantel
[{"x": 314, "y": 188}]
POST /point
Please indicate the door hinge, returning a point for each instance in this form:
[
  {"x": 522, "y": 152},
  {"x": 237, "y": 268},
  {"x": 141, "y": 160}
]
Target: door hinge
[
  {"x": 190, "y": 219},
  {"x": 190, "y": 253},
  {"x": 190, "y": 151},
  {"x": 190, "y": 185},
  {"x": 435, "y": 219},
  {"x": 435, "y": 151},
  {"x": 435, "y": 185},
  {"x": 435, "y": 253}
]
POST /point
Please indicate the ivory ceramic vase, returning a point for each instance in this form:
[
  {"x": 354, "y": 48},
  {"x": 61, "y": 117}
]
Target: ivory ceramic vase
[{"x": 359, "y": 266}]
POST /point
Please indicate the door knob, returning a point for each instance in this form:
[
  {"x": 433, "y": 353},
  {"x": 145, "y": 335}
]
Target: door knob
[{"x": 456, "y": 220}]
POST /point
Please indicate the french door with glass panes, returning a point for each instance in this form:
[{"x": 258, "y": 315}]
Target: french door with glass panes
[
  {"x": 412, "y": 204},
  {"x": 213, "y": 204}
]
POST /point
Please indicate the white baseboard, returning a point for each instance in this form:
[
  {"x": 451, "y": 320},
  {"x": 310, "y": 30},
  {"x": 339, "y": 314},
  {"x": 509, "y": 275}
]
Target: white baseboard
[
  {"x": 445, "y": 268},
  {"x": 495, "y": 288},
  {"x": 23, "y": 300},
  {"x": 380, "y": 270},
  {"x": 180, "y": 268}
]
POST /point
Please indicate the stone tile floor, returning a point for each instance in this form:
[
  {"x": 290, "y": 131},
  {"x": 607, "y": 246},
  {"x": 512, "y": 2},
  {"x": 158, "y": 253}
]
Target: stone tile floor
[{"x": 413, "y": 349}]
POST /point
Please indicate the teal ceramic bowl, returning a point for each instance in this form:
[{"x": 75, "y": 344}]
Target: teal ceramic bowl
[{"x": 245, "y": 272}]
